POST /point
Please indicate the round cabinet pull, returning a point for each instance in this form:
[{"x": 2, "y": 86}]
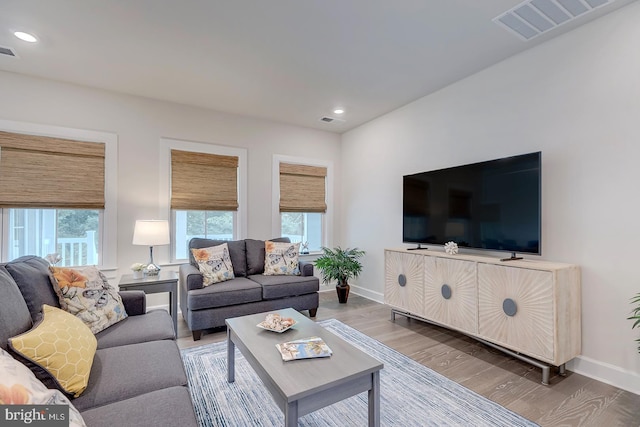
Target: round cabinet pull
[
  {"x": 445, "y": 290},
  {"x": 509, "y": 307},
  {"x": 402, "y": 280}
]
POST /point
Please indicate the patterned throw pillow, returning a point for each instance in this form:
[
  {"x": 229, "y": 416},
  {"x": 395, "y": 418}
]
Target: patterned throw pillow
[
  {"x": 59, "y": 346},
  {"x": 18, "y": 386},
  {"x": 214, "y": 263},
  {"x": 86, "y": 293},
  {"x": 281, "y": 259}
]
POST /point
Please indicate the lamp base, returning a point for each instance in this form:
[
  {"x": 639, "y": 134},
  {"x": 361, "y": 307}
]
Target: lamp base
[{"x": 152, "y": 270}]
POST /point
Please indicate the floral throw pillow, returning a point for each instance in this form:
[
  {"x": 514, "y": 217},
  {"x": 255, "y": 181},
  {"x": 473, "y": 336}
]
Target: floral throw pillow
[
  {"x": 86, "y": 293},
  {"x": 281, "y": 259},
  {"x": 19, "y": 386},
  {"x": 214, "y": 263}
]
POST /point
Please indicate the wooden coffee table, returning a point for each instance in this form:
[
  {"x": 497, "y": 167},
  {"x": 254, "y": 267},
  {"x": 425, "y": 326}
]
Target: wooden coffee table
[{"x": 303, "y": 386}]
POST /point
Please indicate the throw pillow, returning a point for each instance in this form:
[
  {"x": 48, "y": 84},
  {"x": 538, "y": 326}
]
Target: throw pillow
[
  {"x": 281, "y": 259},
  {"x": 60, "y": 347},
  {"x": 214, "y": 263},
  {"x": 86, "y": 293},
  {"x": 18, "y": 386}
]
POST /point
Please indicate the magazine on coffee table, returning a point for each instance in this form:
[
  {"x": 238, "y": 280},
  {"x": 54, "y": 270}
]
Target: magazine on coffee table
[{"x": 306, "y": 348}]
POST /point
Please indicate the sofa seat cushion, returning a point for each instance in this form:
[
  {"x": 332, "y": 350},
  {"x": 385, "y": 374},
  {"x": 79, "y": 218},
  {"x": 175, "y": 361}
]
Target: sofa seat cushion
[
  {"x": 237, "y": 291},
  {"x": 167, "y": 407},
  {"x": 15, "y": 317},
  {"x": 120, "y": 373},
  {"x": 152, "y": 326},
  {"x": 35, "y": 282},
  {"x": 274, "y": 287},
  {"x": 237, "y": 253}
]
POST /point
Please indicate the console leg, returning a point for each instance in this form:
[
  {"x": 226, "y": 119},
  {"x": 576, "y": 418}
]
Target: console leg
[
  {"x": 562, "y": 370},
  {"x": 313, "y": 312},
  {"x": 197, "y": 335},
  {"x": 545, "y": 375},
  {"x": 393, "y": 316}
]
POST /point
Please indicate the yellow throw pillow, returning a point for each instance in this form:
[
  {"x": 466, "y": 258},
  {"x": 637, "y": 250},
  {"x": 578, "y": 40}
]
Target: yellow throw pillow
[{"x": 61, "y": 345}]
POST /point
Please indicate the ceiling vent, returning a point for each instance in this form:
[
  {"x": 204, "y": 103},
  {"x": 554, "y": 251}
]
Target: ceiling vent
[
  {"x": 531, "y": 18},
  {"x": 327, "y": 119},
  {"x": 7, "y": 51}
]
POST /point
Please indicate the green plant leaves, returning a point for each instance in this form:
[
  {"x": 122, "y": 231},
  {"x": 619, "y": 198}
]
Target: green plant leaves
[{"x": 339, "y": 264}]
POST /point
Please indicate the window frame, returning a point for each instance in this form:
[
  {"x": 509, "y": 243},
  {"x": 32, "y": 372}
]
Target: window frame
[
  {"x": 108, "y": 221},
  {"x": 327, "y": 222},
  {"x": 240, "y": 216}
]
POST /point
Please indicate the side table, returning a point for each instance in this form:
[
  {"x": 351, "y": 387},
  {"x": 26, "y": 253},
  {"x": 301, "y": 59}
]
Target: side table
[{"x": 166, "y": 281}]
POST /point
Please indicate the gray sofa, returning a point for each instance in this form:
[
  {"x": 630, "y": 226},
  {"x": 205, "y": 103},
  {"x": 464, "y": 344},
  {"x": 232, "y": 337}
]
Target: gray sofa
[
  {"x": 249, "y": 292},
  {"x": 137, "y": 377}
]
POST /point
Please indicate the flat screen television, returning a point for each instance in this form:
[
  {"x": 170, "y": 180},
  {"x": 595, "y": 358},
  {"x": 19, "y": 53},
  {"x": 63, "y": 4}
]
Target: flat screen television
[{"x": 493, "y": 205}]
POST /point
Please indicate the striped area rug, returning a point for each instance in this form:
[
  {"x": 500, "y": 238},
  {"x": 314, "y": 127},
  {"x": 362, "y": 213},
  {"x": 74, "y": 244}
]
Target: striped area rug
[{"x": 411, "y": 394}]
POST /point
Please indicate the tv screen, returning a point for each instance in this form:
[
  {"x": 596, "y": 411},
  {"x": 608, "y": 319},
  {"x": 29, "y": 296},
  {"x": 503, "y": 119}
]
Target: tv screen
[{"x": 493, "y": 205}]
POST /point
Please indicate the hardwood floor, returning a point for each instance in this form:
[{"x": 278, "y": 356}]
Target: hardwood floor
[{"x": 574, "y": 400}]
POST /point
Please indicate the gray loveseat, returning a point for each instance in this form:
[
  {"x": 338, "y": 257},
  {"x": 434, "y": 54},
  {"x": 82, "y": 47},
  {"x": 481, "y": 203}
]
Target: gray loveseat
[
  {"x": 137, "y": 377},
  {"x": 249, "y": 292}
]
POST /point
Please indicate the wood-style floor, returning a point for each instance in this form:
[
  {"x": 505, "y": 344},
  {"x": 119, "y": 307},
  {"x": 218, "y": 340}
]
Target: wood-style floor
[{"x": 574, "y": 400}]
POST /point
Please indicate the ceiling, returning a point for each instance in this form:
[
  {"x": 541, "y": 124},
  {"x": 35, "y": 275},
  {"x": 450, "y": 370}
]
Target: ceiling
[{"x": 292, "y": 61}]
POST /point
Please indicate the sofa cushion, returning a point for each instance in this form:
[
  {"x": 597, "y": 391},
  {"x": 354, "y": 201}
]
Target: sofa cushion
[
  {"x": 59, "y": 349},
  {"x": 237, "y": 252},
  {"x": 237, "y": 291},
  {"x": 274, "y": 287},
  {"x": 281, "y": 259},
  {"x": 152, "y": 326},
  {"x": 18, "y": 386},
  {"x": 167, "y": 407},
  {"x": 15, "y": 317},
  {"x": 256, "y": 254},
  {"x": 123, "y": 372},
  {"x": 214, "y": 263},
  {"x": 35, "y": 282},
  {"x": 87, "y": 294}
]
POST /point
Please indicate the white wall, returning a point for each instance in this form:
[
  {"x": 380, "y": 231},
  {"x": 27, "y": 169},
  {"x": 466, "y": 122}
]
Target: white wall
[
  {"x": 139, "y": 124},
  {"x": 577, "y": 99}
]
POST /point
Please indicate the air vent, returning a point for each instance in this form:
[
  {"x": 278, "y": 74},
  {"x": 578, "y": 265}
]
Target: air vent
[
  {"x": 531, "y": 18},
  {"x": 7, "y": 51},
  {"x": 328, "y": 119}
]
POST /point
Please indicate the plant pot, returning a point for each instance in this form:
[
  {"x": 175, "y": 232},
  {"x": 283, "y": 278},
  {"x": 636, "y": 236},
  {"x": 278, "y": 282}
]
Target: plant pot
[
  {"x": 138, "y": 274},
  {"x": 343, "y": 293}
]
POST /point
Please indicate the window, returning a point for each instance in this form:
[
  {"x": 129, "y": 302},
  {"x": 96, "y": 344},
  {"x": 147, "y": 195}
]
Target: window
[
  {"x": 52, "y": 195},
  {"x": 206, "y": 189},
  {"x": 302, "y": 189}
]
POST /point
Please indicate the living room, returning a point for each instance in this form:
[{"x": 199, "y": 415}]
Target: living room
[{"x": 575, "y": 98}]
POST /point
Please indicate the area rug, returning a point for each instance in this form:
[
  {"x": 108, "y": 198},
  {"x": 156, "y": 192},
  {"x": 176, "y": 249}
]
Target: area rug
[{"x": 411, "y": 394}]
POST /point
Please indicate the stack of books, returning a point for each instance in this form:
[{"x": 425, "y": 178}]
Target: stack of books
[{"x": 306, "y": 348}]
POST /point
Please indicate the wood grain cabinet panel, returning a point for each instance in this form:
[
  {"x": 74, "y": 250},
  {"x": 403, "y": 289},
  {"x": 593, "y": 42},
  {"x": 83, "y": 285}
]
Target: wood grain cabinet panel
[
  {"x": 404, "y": 281},
  {"x": 450, "y": 296}
]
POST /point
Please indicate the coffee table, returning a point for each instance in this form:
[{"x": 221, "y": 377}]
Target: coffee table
[{"x": 303, "y": 386}]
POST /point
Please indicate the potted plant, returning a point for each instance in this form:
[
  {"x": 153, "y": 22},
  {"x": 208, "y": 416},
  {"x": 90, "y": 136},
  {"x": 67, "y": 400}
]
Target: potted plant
[
  {"x": 635, "y": 315},
  {"x": 340, "y": 265},
  {"x": 138, "y": 270}
]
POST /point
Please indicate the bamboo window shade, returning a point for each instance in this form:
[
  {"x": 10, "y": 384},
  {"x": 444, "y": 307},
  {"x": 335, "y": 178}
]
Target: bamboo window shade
[
  {"x": 302, "y": 188},
  {"x": 201, "y": 181},
  {"x": 45, "y": 172}
]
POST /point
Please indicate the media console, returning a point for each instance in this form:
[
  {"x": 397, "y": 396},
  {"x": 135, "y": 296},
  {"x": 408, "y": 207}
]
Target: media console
[{"x": 528, "y": 309}]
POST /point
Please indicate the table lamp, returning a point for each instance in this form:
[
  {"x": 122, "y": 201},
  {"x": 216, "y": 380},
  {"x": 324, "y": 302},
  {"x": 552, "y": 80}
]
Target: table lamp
[{"x": 151, "y": 233}]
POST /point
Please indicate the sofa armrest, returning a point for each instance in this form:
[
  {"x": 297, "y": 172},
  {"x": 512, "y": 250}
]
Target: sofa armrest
[
  {"x": 135, "y": 302},
  {"x": 190, "y": 277},
  {"x": 306, "y": 268}
]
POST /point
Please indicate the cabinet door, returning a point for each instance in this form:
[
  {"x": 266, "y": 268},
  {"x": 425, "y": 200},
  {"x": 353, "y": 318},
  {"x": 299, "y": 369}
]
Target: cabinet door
[
  {"x": 450, "y": 296},
  {"x": 516, "y": 309},
  {"x": 404, "y": 281}
]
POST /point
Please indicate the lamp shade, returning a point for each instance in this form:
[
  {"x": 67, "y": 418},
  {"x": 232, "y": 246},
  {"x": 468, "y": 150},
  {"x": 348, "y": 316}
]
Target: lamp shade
[{"x": 151, "y": 232}]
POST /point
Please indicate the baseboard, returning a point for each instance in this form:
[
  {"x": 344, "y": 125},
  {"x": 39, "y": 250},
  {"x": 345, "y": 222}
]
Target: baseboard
[
  {"x": 606, "y": 373},
  {"x": 367, "y": 293}
]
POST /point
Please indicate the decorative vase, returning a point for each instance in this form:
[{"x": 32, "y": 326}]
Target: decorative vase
[
  {"x": 343, "y": 293},
  {"x": 138, "y": 274}
]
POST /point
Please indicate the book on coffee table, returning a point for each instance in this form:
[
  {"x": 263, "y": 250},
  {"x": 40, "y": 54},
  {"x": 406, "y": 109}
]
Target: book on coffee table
[{"x": 306, "y": 348}]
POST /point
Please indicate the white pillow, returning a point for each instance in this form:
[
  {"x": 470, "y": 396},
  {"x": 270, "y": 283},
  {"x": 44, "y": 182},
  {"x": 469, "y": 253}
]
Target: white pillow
[
  {"x": 281, "y": 259},
  {"x": 214, "y": 263}
]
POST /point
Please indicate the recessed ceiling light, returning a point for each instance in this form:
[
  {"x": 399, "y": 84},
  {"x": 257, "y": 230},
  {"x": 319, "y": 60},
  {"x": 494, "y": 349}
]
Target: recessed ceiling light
[
  {"x": 338, "y": 111},
  {"x": 25, "y": 37}
]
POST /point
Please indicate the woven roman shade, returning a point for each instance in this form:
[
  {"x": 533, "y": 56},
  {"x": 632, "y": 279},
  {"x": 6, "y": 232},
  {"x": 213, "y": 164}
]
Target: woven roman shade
[
  {"x": 302, "y": 188},
  {"x": 45, "y": 172},
  {"x": 203, "y": 182}
]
